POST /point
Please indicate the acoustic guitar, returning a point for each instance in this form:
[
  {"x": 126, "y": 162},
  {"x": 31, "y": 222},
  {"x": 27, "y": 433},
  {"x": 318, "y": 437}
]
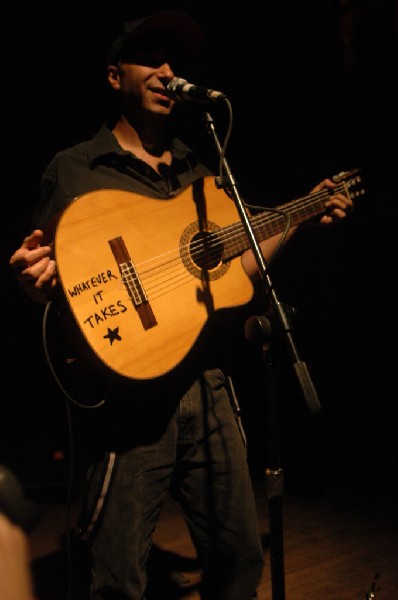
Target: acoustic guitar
[{"x": 143, "y": 276}]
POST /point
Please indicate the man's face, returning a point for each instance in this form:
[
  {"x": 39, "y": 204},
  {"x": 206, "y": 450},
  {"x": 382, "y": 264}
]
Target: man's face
[{"x": 143, "y": 73}]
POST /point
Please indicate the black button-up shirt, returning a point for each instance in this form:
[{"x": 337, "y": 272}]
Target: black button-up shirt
[{"x": 101, "y": 163}]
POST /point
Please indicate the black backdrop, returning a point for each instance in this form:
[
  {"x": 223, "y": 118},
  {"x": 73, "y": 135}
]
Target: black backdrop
[{"x": 313, "y": 91}]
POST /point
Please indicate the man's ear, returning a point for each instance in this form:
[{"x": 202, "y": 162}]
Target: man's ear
[{"x": 113, "y": 76}]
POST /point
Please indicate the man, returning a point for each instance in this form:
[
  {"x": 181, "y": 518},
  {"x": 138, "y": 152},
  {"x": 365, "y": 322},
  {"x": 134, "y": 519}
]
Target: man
[{"x": 183, "y": 435}]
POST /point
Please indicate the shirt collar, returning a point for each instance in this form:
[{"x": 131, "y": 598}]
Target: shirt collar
[{"x": 104, "y": 143}]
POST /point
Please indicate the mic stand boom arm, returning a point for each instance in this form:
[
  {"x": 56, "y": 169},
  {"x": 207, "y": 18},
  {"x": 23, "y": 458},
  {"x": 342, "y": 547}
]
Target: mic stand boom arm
[{"x": 258, "y": 327}]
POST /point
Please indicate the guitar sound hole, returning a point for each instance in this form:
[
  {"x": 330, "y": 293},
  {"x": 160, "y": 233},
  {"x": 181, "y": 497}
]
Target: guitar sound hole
[{"x": 206, "y": 250}]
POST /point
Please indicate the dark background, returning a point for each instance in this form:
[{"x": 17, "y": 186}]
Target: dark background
[{"x": 313, "y": 90}]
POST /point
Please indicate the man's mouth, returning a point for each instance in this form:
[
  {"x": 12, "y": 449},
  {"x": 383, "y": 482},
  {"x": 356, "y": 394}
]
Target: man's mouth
[{"x": 160, "y": 91}]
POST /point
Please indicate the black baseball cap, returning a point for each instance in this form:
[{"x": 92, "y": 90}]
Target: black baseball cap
[{"x": 176, "y": 26}]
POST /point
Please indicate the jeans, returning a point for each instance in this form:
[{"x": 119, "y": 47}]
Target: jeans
[{"x": 195, "y": 448}]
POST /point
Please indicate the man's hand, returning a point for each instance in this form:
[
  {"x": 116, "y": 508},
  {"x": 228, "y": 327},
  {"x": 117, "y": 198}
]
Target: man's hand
[
  {"x": 34, "y": 268},
  {"x": 338, "y": 205}
]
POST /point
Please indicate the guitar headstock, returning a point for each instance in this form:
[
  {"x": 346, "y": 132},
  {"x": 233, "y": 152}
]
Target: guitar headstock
[{"x": 350, "y": 182}]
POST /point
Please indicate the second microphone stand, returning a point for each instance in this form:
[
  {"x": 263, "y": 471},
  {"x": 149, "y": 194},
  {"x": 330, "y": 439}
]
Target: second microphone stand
[{"x": 259, "y": 329}]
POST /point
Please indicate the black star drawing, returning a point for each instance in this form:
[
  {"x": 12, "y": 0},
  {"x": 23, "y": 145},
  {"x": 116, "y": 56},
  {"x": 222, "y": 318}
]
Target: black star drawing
[{"x": 113, "y": 334}]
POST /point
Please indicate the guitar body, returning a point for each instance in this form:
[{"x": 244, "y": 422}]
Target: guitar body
[
  {"x": 146, "y": 279},
  {"x": 136, "y": 287}
]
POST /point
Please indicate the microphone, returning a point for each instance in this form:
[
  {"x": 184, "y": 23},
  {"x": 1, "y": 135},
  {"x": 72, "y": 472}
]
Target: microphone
[{"x": 180, "y": 89}]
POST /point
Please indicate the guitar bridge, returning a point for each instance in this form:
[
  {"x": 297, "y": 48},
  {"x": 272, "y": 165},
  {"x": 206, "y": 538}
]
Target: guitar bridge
[{"x": 132, "y": 282}]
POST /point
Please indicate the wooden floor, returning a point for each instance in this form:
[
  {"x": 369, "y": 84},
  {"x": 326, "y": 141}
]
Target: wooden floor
[{"x": 340, "y": 543}]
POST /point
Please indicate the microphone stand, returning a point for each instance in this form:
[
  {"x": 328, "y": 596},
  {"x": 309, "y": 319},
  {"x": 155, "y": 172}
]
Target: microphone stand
[{"x": 259, "y": 329}]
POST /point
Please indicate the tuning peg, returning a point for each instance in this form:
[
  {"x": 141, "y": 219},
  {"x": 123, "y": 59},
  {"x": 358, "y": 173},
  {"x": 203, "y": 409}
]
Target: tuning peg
[{"x": 343, "y": 175}]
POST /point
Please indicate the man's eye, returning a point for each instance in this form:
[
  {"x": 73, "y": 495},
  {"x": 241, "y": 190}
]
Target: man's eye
[
  {"x": 156, "y": 60},
  {"x": 151, "y": 59}
]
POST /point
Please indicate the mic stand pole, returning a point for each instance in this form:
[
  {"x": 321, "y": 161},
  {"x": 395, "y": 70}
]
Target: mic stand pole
[{"x": 259, "y": 328}]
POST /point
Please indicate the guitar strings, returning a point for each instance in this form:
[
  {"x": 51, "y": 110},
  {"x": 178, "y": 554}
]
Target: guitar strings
[
  {"x": 163, "y": 280},
  {"x": 167, "y": 272}
]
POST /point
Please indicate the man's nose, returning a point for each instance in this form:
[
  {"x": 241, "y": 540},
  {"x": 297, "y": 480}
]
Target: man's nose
[{"x": 166, "y": 71}]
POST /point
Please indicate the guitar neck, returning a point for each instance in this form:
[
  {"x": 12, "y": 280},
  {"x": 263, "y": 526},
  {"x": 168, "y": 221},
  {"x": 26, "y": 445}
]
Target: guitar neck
[{"x": 268, "y": 224}]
